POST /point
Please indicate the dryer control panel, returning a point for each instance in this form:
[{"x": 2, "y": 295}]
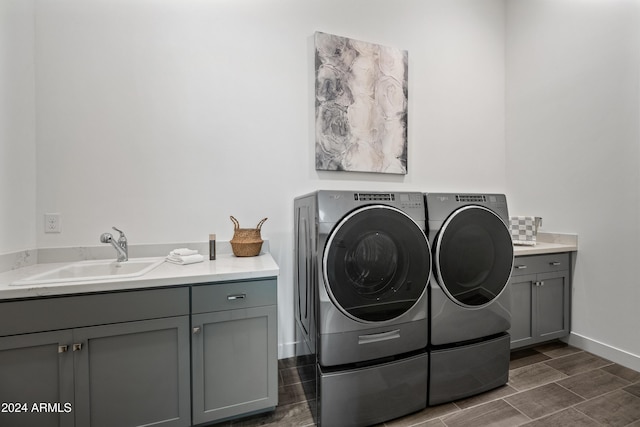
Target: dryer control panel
[{"x": 441, "y": 205}]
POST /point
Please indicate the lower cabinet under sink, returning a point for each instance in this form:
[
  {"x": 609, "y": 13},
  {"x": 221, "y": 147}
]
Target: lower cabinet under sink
[{"x": 137, "y": 357}]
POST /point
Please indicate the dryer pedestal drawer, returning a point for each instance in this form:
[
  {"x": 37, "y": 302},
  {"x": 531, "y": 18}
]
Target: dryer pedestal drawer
[{"x": 467, "y": 370}]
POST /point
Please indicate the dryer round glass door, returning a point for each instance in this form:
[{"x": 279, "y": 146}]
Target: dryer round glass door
[
  {"x": 474, "y": 256},
  {"x": 376, "y": 264}
]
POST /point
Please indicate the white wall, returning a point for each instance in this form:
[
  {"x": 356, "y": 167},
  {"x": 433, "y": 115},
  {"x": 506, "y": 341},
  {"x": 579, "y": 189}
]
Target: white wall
[
  {"x": 17, "y": 127},
  {"x": 573, "y": 140},
  {"x": 150, "y": 112},
  {"x": 166, "y": 117}
]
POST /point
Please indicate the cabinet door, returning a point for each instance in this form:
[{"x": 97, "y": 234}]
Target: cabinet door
[
  {"x": 234, "y": 362},
  {"x": 133, "y": 374},
  {"x": 36, "y": 369},
  {"x": 522, "y": 316},
  {"x": 552, "y": 305}
]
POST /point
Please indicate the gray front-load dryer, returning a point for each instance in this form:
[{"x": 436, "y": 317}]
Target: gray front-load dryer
[
  {"x": 469, "y": 293},
  {"x": 362, "y": 268}
]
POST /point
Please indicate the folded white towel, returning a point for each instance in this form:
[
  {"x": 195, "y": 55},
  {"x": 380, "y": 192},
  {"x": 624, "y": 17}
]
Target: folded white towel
[
  {"x": 184, "y": 260},
  {"x": 183, "y": 252}
]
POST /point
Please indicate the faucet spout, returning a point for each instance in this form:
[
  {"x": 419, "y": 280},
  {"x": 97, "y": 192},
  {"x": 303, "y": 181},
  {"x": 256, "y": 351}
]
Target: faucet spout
[{"x": 120, "y": 245}]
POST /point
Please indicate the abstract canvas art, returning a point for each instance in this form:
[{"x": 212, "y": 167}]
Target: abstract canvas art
[{"x": 361, "y": 106}]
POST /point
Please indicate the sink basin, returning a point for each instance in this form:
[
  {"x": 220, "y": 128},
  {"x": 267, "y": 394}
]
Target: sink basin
[{"x": 93, "y": 270}]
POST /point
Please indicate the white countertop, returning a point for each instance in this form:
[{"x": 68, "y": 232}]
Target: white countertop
[
  {"x": 543, "y": 248},
  {"x": 226, "y": 267},
  {"x": 549, "y": 243}
]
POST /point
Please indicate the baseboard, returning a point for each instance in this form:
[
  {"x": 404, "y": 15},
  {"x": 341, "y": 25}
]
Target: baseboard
[
  {"x": 286, "y": 350},
  {"x": 606, "y": 351}
]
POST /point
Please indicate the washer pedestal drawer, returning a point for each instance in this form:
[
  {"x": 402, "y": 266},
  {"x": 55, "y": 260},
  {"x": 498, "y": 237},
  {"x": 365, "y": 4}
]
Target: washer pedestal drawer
[
  {"x": 467, "y": 370},
  {"x": 374, "y": 394}
]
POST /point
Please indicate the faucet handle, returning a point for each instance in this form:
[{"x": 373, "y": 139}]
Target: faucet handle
[
  {"x": 106, "y": 238},
  {"x": 122, "y": 236}
]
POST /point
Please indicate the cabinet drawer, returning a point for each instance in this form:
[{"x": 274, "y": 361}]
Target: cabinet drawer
[
  {"x": 232, "y": 295},
  {"x": 534, "y": 264},
  {"x": 49, "y": 314}
]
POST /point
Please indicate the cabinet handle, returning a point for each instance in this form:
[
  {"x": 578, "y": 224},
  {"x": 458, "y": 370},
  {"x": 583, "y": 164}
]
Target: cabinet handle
[
  {"x": 555, "y": 263},
  {"x": 521, "y": 267},
  {"x": 63, "y": 348},
  {"x": 77, "y": 347},
  {"x": 542, "y": 283},
  {"x": 196, "y": 330},
  {"x": 235, "y": 297}
]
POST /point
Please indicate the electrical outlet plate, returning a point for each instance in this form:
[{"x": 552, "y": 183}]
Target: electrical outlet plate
[{"x": 52, "y": 223}]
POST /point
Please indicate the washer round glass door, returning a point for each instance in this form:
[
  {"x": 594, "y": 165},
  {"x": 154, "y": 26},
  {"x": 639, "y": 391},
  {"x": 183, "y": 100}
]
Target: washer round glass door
[
  {"x": 474, "y": 256},
  {"x": 376, "y": 264}
]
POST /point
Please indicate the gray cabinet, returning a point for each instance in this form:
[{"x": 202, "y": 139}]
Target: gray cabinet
[
  {"x": 140, "y": 357},
  {"x": 540, "y": 298},
  {"x": 125, "y": 363},
  {"x": 35, "y": 368},
  {"x": 234, "y": 349},
  {"x": 133, "y": 374}
]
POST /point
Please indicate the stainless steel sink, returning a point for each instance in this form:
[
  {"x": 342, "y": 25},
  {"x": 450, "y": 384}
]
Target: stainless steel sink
[{"x": 93, "y": 270}]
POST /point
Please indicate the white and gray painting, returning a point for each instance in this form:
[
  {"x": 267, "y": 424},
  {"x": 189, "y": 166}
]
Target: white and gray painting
[{"x": 361, "y": 106}]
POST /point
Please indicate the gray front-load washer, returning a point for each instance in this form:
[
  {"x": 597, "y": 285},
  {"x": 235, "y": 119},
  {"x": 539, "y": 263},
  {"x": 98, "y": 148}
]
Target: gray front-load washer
[
  {"x": 469, "y": 294},
  {"x": 361, "y": 303}
]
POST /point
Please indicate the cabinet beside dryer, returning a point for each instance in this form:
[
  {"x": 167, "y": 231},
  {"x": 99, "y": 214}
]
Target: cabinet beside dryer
[
  {"x": 234, "y": 348},
  {"x": 540, "y": 298}
]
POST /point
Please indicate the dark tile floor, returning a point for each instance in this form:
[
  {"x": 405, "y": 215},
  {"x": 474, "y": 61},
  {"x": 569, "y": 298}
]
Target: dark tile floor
[{"x": 549, "y": 385}]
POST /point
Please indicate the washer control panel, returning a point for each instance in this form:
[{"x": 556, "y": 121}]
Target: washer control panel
[{"x": 333, "y": 205}]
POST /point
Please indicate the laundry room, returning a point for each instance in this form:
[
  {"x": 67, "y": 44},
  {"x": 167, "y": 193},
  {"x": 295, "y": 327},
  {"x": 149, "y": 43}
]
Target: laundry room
[{"x": 163, "y": 118}]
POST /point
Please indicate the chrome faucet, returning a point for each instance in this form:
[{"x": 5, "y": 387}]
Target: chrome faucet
[{"x": 120, "y": 244}]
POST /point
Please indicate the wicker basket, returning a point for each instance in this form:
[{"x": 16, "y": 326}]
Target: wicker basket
[{"x": 246, "y": 241}]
